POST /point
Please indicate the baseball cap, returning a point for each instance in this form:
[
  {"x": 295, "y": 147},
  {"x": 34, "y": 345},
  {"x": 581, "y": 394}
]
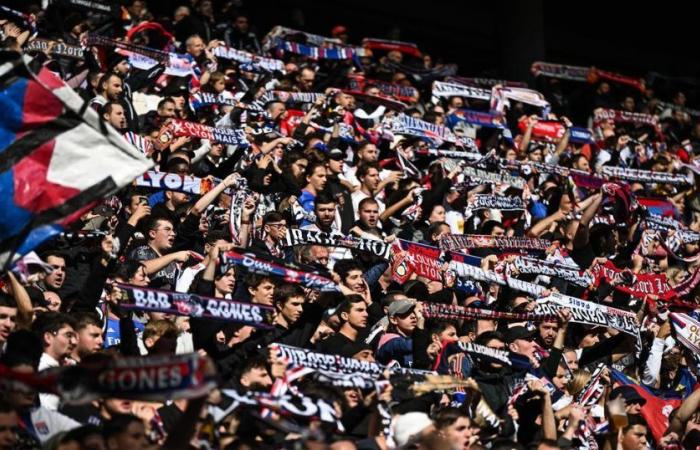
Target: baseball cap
[
  {"x": 399, "y": 307},
  {"x": 336, "y": 154},
  {"x": 628, "y": 393},
  {"x": 514, "y": 333}
]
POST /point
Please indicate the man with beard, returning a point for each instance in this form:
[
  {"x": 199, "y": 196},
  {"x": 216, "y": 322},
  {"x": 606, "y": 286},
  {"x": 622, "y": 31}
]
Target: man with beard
[
  {"x": 110, "y": 89},
  {"x": 253, "y": 375},
  {"x": 326, "y": 221},
  {"x": 367, "y": 153},
  {"x": 57, "y": 333}
]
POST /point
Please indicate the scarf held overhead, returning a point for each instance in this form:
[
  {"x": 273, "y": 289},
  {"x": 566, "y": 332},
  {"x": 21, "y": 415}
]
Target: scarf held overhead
[
  {"x": 136, "y": 298},
  {"x": 466, "y": 241},
  {"x": 297, "y": 236},
  {"x": 590, "y": 313},
  {"x": 262, "y": 267}
]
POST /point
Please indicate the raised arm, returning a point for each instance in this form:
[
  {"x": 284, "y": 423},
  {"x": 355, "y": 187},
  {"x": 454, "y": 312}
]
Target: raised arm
[
  {"x": 207, "y": 199},
  {"x": 581, "y": 237}
]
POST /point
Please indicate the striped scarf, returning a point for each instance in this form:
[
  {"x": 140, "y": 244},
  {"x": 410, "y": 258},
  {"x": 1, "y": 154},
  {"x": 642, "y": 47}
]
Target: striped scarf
[
  {"x": 442, "y": 89},
  {"x": 103, "y": 41},
  {"x": 479, "y": 118},
  {"x": 313, "y": 39},
  {"x": 316, "y": 52},
  {"x": 251, "y": 61},
  {"x": 455, "y": 312},
  {"x": 403, "y": 124},
  {"x": 144, "y": 145}
]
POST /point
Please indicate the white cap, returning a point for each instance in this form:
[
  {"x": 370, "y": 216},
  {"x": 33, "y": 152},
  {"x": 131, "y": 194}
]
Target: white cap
[{"x": 409, "y": 425}]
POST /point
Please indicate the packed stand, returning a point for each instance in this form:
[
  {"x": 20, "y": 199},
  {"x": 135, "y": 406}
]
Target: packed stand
[{"x": 343, "y": 244}]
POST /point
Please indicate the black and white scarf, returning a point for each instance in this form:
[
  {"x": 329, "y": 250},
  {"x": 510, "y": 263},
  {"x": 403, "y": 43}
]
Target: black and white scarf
[
  {"x": 297, "y": 406},
  {"x": 482, "y": 176},
  {"x": 573, "y": 274},
  {"x": 59, "y": 48},
  {"x": 403, "y": 124},
  {"x": 646, "y": 176},
  {"x": 296, "y": 236},
  {"x": 442, "y": 89},
  {"x": 484, "y": 201},
  {"x": 590, "y": 313}
]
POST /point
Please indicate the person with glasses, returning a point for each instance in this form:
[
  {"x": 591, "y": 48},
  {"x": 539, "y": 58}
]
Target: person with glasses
[
  {"x": 161, "y": 266},
  {"x": 275, "y": 230},
  {"x": 57, "y": 334}
]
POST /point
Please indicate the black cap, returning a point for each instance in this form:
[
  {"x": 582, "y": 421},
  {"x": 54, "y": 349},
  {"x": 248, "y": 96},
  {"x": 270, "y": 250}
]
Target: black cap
[
  {"x": 336, "y": 154},
  {"x": 514, "y": 333},
  {"x": 629, "y": 393}
]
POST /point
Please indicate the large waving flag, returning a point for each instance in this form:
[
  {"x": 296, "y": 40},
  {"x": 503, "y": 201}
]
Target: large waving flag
[{"x": 57, "y": 157}]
